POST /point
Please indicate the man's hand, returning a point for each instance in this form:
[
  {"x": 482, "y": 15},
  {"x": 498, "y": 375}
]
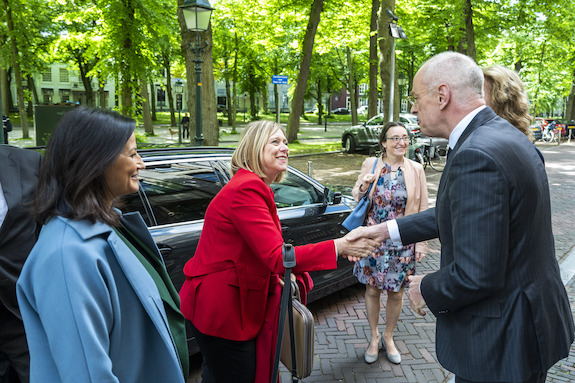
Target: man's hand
[
  {"x": 357, "y": 249},
  {"x": 376, "y": 232},
  {"x": 414, "y": 294}
]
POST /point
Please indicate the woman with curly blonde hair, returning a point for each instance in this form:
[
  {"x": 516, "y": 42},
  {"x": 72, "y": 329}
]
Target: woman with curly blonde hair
[{"x": 505, "y": 94}]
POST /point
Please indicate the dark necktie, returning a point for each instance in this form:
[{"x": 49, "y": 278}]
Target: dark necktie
[{"x": 449, "y": 152}]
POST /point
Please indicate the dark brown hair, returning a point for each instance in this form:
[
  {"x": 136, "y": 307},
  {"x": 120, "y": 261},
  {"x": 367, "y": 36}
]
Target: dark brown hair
[
  {"x": 71, "y": 182},
  {"x": 385, "y": 129}
]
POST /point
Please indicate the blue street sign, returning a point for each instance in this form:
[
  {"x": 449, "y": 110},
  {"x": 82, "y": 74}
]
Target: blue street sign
[{"x": 279, "y": 79}]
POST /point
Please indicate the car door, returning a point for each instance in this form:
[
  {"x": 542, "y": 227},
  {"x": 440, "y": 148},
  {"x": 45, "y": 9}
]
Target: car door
[
  {"x": 311, "y": 213},
  {"x": 173, "y": 199}
]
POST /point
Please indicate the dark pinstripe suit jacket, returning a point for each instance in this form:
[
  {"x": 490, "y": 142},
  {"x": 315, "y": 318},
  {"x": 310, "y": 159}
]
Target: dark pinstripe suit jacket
[
  {"x": 502, "y": 311},
  {"x": 18, "y": 176}
]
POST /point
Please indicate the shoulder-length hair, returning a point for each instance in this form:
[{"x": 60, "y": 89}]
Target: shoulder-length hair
[
  {"x": 508, "y": 98},
  {"x": 248, "y": 154},
  {"x": 71, "y": 183}
]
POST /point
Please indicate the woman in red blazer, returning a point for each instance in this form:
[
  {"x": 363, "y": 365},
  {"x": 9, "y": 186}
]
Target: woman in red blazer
[{"x": 232, "y": 288}]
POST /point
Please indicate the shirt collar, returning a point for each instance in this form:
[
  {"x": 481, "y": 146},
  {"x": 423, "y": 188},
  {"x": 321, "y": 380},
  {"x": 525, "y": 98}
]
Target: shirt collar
[{"x": 461, "y": 126}]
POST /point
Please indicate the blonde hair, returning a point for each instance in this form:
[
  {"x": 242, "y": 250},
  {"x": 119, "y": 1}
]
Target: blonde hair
[
  {"x": 507, "y": 97},
  {"x": 248, "y": 154}
]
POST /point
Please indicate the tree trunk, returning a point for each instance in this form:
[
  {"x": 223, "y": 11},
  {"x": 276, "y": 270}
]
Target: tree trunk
[
  {"x": 153, "y": 100},
  {"x": 4, "y": 91},
  {"x": 570, "y": 114},
  {"x": 234, "y": 85},
  {"x": 170, "y": 95},
  {"x": 34, "y": 100},
  {"x": 351, "y": 88},
  {"x": 17, "y": 73},
  {"x": 386, "y": 44},
  {"x": 148, "y": 126},
  {"x": 86, "y": 81},
  {"x": 373, "y": 99},
  {"x": 102, "y": 94},
  {"x": 319, "y": 103},
  {"x": 469, "y": 30},
  {"x": 301, "y": 84}
]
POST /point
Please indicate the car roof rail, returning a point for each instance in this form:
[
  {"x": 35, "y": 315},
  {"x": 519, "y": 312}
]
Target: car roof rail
[{"x": 188, "y": 150}]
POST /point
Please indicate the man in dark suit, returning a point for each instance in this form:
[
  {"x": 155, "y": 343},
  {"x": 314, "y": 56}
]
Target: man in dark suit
[
  {"x": 18, "y": 179},
  {"x": 502, "y": 312}
]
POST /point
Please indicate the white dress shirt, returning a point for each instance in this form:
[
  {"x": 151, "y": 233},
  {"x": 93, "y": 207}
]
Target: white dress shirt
[
  {"x": 454, "y": 136},
  {"x": 3, "y": 206}
]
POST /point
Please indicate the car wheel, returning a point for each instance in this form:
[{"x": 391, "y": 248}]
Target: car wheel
[{"x": 349, "y": 144}]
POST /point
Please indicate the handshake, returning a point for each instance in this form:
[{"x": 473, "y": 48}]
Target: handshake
[{"x": 361, "y": 242}]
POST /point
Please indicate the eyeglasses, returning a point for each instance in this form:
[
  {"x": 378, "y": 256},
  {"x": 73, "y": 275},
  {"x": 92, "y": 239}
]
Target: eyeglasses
[
  {"x": 413, "y": 98},
  {"x": 397, "y": 139}
]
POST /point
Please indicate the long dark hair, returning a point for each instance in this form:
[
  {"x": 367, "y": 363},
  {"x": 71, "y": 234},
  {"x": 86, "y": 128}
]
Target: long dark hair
[{"x": 71, "y": 182}]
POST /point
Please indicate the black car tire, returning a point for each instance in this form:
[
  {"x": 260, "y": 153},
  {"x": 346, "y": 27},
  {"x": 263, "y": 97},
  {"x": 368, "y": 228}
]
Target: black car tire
[{"x": 349, "y": 144}]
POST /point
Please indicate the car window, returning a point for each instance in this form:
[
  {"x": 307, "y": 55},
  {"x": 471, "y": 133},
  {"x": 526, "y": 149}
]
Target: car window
[
  {"x": 294, "y": 190},
  {"x": 176, "y": 192},
  {"x": 377, "y": 120}
]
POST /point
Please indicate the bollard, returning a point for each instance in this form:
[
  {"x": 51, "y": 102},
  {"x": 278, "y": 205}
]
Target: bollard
[{"x": 310, "y": 168}]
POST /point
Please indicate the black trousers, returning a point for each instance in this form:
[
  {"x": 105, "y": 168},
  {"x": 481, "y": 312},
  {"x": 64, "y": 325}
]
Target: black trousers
[
  {"x": 14, "y": 355},
  {"x": 535, "y": 378},
  {"x": 226, "y": 360}
]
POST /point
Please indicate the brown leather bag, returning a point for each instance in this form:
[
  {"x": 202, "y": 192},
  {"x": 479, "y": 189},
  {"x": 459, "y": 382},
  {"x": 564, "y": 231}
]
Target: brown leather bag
[
  {"x": 304, "y": 332},
  {"x": 295, "y": 346}
]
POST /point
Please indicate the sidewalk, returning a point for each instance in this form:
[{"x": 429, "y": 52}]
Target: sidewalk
[{"x": 307, "y": 131}]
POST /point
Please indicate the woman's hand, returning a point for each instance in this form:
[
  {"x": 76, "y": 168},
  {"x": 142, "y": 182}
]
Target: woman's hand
[
  {"x": 356, "y": 249},
  {"x": 367, "y": 179},
  {"x": 419, "y": 256}
]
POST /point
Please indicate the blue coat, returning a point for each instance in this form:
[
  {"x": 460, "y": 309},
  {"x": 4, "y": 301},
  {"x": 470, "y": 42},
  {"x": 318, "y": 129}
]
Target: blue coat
[{"x": 92, "y": 312}]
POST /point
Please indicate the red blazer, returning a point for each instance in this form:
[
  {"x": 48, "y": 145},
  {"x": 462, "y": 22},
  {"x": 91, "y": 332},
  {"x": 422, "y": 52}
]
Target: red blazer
[{"x": 238, "y": 259}]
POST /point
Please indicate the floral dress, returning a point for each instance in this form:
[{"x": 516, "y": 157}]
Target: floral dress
[{"x": 389, "y": 265}]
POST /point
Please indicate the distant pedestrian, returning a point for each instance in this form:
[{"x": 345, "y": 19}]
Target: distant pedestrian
[
  {"x": 6, "y": 127},
  {"x": 185, "y": 126}
]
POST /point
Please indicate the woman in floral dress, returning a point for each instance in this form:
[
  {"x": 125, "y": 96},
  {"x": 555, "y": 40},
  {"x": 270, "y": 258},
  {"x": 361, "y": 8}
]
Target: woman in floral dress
[{"x": 398, "y": 189}]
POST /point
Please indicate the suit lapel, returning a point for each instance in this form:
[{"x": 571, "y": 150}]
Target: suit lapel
[
  {"x": 480, "y": 119},
  {"x": 11, "y": 185}
]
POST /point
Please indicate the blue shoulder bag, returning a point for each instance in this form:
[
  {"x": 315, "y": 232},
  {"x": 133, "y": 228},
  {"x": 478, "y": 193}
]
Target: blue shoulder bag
[{"x": 357, "y": 216}]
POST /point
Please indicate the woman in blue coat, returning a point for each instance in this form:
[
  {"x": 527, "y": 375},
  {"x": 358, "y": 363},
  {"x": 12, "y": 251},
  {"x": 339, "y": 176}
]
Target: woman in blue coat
[{"x": 96, "y": 300}]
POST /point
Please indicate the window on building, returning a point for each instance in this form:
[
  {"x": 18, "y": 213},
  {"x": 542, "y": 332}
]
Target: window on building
[
  {"x": 47, "y": 75},
  {"x": 65, "y": 95},
  {"x": 362, "y": 88},
  {"x": 47, "y": 96},
  {"x": 64, "y": 77}
]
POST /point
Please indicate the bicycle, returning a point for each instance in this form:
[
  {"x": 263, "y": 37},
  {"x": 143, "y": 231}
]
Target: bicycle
[
  {"x": 428, "y": 153},
  {"x": 551, "y": 135}
]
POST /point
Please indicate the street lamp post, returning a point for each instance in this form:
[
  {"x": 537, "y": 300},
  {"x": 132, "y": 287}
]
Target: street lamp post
[
  {"x": 197, "y": 14},
  {"x": 179, "y": 87},
  {"x": 396, "y": 32}
]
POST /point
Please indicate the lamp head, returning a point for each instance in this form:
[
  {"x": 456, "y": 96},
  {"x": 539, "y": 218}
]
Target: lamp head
[{"x": 197, "y": 14}]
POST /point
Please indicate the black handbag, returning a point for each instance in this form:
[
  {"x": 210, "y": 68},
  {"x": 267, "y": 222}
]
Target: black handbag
[
  {"x": 295, "y": 345},
  {"x": 357, "y": 217}
]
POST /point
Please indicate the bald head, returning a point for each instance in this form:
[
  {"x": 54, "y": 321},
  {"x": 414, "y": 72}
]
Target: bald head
[{"x": 459, "y": 72}]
